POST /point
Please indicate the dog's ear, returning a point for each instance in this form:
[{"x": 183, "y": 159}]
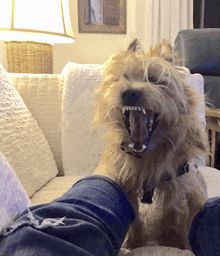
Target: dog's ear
[
  {"x": 135, "y": 46},
  {"x": 167, "y": 51},
  {"x": 163, "y": 50}
]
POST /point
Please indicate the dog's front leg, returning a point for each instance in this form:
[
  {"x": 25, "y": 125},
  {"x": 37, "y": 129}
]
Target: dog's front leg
[
  {"x": 137, "y": 235},
  {"x": 171, "y": 230},
  {"x": 176, "y": 221}
]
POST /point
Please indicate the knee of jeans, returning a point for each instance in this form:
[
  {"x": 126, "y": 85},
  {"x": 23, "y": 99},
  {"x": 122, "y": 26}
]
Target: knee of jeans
[
  {"x": 211, "y": 202},
  {"x": 49, "y": 222},
  {"x": 30, "y": 220}
]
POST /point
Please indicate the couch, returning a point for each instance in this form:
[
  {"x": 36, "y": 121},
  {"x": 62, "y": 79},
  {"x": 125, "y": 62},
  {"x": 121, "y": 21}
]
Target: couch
[
  {"x": 46, "y": 143},
  {"x": 205, "y": 61},
  {"x": 199, "y": 51}
]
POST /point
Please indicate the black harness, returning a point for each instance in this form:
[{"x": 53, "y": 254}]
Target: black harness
[{"x": 148, "y": 194}]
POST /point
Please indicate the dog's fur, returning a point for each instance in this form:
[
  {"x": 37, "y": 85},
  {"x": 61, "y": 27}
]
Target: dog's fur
[{"x": 152, "y": 82}]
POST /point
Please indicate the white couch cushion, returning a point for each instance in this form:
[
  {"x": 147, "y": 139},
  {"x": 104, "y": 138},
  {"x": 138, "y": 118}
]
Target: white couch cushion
[
  {"x": 54, "y": 189},
  {"x": 42, "y": 94},
  {"x": 21, "y": 140}
]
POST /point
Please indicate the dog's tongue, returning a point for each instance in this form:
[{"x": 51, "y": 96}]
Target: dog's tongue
[{"x": 138, "y": 128}]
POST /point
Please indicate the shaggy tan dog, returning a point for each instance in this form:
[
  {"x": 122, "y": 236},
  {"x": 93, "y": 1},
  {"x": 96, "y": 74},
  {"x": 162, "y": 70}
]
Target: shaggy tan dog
[{"x": 153, "y": 131}]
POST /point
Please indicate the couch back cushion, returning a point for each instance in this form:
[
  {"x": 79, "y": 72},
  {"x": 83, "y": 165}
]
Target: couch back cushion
[
  {"x": 21, "y": 140},
  {"x": 42, "y": 94}
]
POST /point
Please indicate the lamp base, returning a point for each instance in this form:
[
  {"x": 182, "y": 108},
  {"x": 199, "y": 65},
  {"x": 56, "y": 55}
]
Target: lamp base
[{"x": 29, "y": 57}]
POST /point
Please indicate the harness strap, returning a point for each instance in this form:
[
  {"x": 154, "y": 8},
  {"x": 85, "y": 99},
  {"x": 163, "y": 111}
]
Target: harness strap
[{"x": 148, "y": 193}]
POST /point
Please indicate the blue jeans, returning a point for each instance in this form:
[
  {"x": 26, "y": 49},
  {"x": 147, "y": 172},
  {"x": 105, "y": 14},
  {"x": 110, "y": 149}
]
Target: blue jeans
[
  {"x": 92, "y": 218},
  {"x": 204, "y": 235}
]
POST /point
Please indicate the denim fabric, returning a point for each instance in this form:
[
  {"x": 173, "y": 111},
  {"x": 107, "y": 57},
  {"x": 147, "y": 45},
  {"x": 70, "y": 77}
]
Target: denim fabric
[
  {"x": 92, "y": 218},
  {"x": 204, "y": 235}
]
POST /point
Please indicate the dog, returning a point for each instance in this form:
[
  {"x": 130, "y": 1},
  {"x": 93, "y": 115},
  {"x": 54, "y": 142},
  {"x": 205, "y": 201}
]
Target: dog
[{"x": 153, "y": 134}]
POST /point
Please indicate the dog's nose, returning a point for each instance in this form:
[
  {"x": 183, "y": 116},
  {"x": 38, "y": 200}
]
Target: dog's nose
[{"x": 131, "y": 97}]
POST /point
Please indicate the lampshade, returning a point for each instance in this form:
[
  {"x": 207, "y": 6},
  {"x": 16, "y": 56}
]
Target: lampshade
[
  {"x": 45, "y": 21},
  {"x": 29, "y": 29}
]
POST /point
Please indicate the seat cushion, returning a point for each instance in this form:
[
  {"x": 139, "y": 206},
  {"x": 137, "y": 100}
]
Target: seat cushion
[{"x": 54, "y": 189}]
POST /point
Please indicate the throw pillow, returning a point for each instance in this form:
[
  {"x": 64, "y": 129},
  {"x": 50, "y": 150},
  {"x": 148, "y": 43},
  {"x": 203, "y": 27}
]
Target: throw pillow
[{"x": 21, "y": 140}]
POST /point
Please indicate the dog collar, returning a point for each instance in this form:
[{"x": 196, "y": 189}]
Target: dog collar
[{"x": 148, "y": 193}]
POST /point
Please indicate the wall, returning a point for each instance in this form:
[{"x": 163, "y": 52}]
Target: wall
[
  {"x": 93, "y": 48},
  {"x": 148, "y": 20}
]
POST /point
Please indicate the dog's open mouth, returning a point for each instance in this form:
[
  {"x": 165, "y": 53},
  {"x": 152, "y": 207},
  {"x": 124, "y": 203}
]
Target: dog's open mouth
[{"x": 140, "y": 124}]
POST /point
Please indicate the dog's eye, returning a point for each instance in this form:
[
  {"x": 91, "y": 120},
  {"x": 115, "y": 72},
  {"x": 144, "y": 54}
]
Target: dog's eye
[
  {"x": 152, "y": 79},
  {"x": 156, "y": 81},
  {"x": 164, "y": 83},
  {"x": 126, "y": 77}
]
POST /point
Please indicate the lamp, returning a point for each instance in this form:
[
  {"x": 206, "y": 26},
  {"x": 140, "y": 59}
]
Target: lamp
[{"x": 29, "y": 29}]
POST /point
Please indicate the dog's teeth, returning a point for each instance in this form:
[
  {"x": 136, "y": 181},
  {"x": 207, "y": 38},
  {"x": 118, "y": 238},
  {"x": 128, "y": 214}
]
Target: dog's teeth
[
  {"x": 131, "y": 145},
  {"x": 144, "y": 111},
  {"x": 138, "y": 151},
  {"x": 135, "y": 150},
  {"x": 151, "y": 121},
  {"x": 150, "y": 129},
  {"x": 135, "y": 108}
]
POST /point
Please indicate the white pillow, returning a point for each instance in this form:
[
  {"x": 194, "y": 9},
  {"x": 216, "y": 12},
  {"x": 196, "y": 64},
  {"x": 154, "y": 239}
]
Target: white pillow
[{"x": 21, "y": 140}]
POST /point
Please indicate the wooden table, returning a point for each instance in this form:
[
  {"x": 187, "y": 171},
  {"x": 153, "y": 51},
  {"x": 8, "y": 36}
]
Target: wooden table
[{"x": 212, "y": 129}]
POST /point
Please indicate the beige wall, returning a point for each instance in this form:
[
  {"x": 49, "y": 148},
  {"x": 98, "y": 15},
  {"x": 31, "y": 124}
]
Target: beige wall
[
  {"x": 148, "y": 20},
  {"x": 93, "y": 48}
]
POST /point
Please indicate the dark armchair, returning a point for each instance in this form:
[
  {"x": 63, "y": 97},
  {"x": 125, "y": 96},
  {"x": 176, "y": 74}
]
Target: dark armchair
[{"x": 199, "y": 51}]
